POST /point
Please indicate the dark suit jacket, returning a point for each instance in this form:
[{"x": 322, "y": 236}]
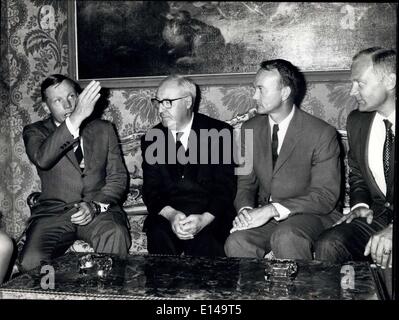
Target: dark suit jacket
[
  {"x": 307, "y": 175},
  {"x": 50, "y": 148},
  {"x": 363, "y": 188},
  {"x": 204, "y": 188}
]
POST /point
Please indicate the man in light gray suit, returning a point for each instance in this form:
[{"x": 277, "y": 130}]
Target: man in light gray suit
[
  {"x": 291, "y": 192},
  {"x": 82, "y": 175}
]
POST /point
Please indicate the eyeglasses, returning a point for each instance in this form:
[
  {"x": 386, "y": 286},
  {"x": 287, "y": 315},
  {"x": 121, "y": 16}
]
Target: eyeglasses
[{"x": 167, "y": 103}]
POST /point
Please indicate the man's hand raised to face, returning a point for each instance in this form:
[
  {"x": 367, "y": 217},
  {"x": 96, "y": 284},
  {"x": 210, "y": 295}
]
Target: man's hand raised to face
[{"x": 85, "y": 103}]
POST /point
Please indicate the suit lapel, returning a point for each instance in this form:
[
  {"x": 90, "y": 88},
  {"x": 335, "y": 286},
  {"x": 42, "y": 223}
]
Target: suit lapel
[
  {"x": 170, "y": 145},
  {"x": 291, "y": 138},
  {"x": 189, "y": 168},
  {"x": 365, "y": 131},
  {"x": 88, "y": 144},
  {"x": 71, "y": 156},
  {"x": 51, "y": 127},
  {"x": 392, "y": 175},
  {"x": 265, "y": 137},
  {"x": 195, "y": 130}
]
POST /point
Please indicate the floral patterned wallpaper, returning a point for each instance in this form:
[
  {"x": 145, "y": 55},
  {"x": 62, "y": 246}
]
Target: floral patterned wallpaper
[{"x": 34, "y": 44}]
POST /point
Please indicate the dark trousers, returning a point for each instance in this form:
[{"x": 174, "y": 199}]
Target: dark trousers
[
  {"x": 292, "y": 238},
  {"x": 162, "y": 240},
  {"x": 347, "y": 241},
  {"x": 48, "y": 237}
]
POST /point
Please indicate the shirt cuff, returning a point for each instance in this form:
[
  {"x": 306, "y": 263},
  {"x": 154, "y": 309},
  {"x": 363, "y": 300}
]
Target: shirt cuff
[
  {"x": 72, "y": 130},
  {"x": 282, "y": 211},
  {"x": 361, "y": 204},
  {"x": 103, "y": 206},
  {"x": 248, "y": 208}
]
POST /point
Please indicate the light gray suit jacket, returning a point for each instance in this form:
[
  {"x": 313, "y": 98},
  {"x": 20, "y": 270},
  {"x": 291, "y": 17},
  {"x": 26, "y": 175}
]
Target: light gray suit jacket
[{"x": 307, "y": 174}]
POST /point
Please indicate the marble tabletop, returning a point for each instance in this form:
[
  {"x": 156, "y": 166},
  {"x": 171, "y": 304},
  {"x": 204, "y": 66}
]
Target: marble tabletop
[{"x": 172, "y": 277}]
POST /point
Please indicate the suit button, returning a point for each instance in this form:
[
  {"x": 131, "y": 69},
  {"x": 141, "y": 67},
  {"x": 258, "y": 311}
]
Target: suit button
[
  {"x": 83, "y": 175},
  {"x": 82, "y": 196},
  {"x": 387, "y": 204}
]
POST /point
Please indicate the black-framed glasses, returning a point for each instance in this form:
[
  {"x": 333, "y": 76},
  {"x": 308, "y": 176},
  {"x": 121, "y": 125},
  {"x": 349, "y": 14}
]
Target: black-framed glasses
[{"x": 167, "y": 103}]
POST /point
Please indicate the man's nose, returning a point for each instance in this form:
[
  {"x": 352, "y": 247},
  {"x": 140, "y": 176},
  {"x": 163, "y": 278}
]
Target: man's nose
[
  {"x": 161, "y": 107},
  {"x": 69, "y": 105},
  {"x": 256, "y": 95}
]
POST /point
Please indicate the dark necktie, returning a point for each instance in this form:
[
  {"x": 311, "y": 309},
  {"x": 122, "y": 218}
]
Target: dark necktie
[
  {"x": 274, "y": 144},
  {"x": 79, "y": 153},
  {"x": 387, "y": 156},
  {"x": 180, "y": 167}
]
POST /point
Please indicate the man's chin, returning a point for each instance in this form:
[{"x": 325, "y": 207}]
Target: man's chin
[
  {"x": 260, "y": 110},
  {"x": 364, "y": 107},
  {"x": 167, "y": 124}
]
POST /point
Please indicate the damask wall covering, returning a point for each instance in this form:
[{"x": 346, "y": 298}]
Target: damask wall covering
[{"x": 34, "y": 44}]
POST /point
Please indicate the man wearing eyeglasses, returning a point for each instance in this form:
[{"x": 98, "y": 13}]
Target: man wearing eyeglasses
[{"x": 189, "y": 197}]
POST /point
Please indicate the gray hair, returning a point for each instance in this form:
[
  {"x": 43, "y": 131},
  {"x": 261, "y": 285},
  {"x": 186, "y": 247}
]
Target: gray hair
[{"x": 184, "y": 83}]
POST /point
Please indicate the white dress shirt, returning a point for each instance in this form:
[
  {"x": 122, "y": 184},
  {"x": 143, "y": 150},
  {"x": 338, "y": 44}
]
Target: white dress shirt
[
  {"x": 282, "y": 130},
  {"x": 186, "y": 133}
]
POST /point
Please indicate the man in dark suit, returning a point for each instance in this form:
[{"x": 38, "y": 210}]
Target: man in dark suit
[
  {"x": 367, "y": 229},
  {"x": 189, "y": 183},
  {"x": 83, "y": 177},
  {"x": 290, "y": 194}
]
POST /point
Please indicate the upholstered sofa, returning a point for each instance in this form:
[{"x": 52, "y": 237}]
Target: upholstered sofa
[{"x": 134, "y": 206}]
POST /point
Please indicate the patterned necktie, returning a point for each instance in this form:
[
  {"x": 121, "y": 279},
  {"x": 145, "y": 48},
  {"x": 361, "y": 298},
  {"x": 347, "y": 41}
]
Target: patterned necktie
[
  {"x": 79, "y": 153},
  {"x": 387, "y": 155},
  {"x": 274, "y": 144}
]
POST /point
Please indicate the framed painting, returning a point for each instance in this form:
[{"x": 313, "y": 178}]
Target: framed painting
[{"x": 137, "y": 43}]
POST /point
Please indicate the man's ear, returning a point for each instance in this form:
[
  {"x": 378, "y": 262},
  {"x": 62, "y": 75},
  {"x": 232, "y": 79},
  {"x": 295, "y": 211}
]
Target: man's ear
[
  {"x": 390, "y": 81},
  {"x": 188, "y": 102},
  {"x": 285, "y": 93},
  {"x": 46, "y": 108}
]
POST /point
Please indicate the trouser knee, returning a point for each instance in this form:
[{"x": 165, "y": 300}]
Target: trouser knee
[
  {"x": 330, "y": 247},
  {"x": 288, "y": 243},
  {"x": 116, "y": 240},
  {"x": 32, "y": 259},
  {"x": 237, "y": 245}
]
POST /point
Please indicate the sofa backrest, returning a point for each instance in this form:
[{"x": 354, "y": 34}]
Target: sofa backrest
[{"x": 132, "y": 153}]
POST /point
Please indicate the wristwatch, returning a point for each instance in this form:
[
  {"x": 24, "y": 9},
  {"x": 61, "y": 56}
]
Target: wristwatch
[{"x": 96, "y": 208}]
